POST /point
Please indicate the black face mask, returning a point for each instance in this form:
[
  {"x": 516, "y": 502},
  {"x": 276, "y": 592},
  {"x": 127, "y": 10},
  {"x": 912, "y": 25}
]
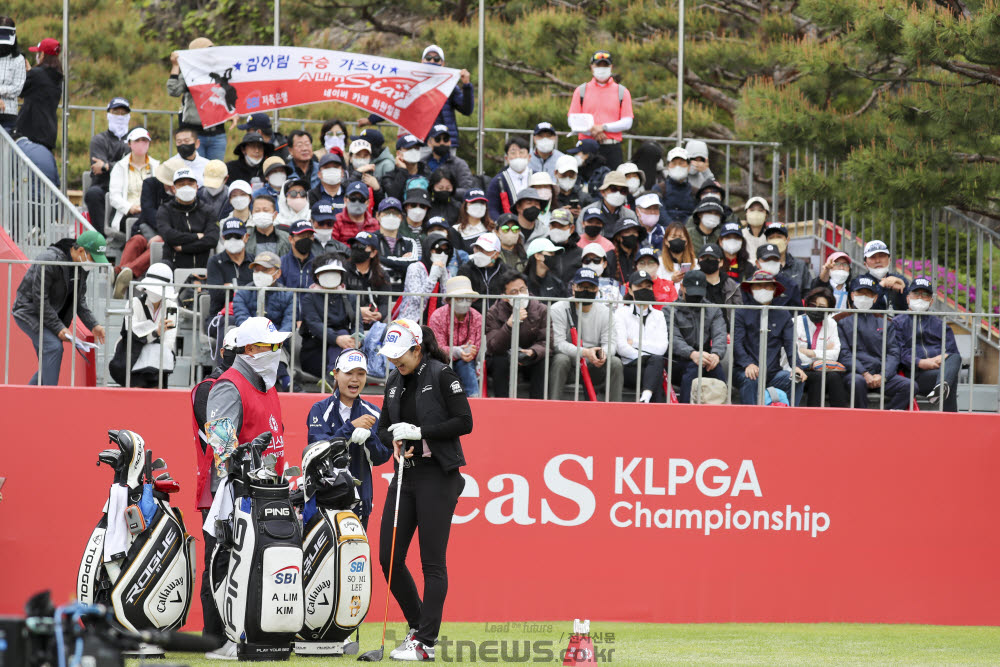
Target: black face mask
[
  {"x": 359, "y": 254},
  {"x": 442, "y": 150},
  {"x": 586, "y": 294},
  {"x": 709, "y": 264},
  {"x": 676, "y": 246},
  {"x": 688, "y": 298},
  {"x": 630, "y": 242},
  {"x": 643, "y": 295},
  {"x": 228, "y": 357},
  {"x": 186, "y": 151},
  {"x": 303, "y": 245},
  {"x": 442, "y": 196},
  {"x": 531, "y": 213},
  {"x": 593, "y": 231},
  {"x": 815, "y": 317}
]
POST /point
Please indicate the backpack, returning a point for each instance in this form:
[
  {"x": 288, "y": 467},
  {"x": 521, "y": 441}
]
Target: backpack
[{"x": 582, "y": 88}]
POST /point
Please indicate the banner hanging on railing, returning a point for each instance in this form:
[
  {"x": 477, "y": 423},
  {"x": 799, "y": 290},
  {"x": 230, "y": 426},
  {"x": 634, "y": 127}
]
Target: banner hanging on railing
[{"x": 226, "y": 81}]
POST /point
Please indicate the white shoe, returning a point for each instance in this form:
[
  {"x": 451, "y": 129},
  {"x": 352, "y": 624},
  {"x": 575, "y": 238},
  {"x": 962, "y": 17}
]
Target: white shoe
[
  {"x": 406, "y": 640},
  {"x": 225, "y": 652},
  {"x": 413, "y": 650}
]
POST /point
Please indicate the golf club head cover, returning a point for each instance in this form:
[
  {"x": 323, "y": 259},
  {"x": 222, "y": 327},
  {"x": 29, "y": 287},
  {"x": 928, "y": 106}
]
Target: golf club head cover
[{"x": 133, "y": 449}]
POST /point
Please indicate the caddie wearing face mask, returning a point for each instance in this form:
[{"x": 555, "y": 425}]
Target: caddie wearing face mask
[{"x": 601, "y": 109}]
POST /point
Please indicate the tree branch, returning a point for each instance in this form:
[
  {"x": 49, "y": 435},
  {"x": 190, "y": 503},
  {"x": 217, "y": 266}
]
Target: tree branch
[
  {"x": 521, "y": 68},
  {"x": 956, "y": 7},
  {"x": 978, "y": 72},
  {"x": 379, "y": 25},
  {"x": 976, "y": 157}
]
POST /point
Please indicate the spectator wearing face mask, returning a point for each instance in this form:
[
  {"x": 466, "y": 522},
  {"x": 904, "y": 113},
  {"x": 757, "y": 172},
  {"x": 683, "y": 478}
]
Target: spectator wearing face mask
[
  {"x": 562, "y": 233},
  {"x": 793, "y": 269},
  {"x": 703, "y": 227},
  {"x": 591, "y": 165},
  {"x": 664, "y": 291},
  {"x": 261, "y": 123},
  {"x": 302, "y": 162},
  {"x": 592, "y": 224},
  {"x": 675, "y": 192},
  {"x": 699, "y": 172},
  {"x": 152, "y": 328},
  {"x": 569, "y": 188},
  {"x": 408, "y": 167},
  {"x": 231, "y": 267},
  {"x": 678, "y": 253},
  {"x": 594, "y": 257},
  {"x": 444, "y": 203},
  {"x": 769, "y": 261},
  {"x": 397, "y": 252},
  {"x": 266, "y": 268},
  {"x": 276, "y": 172},
  {"x": 214, "y": 194},
  {"x": 366, "y": 274},
  {"x": 326, "y": 296},
  {"x": 647, "y": 209},
  {"x": 439, "y": 260},
  {"x": 757, "y": 212},
  {"x": 735, "y": 261},
  {"x": 609, "y": 105},
  {"x": 248, "y": 164},
  {"x": 715, "y": 191},
  {"x": 545, "y": 155},
  {"x": 763, "y": 288},
  {"x": 296, "y": 266},
  {"x": 637, "y": 320},
  {"x": 531, "y": 343},
  {"x": 332, "y": 184},
  {"x": 457, "y": 326},
  {"x": 127, "y": 177},
  {"x": 106, "y": 150},
  {"x": 921, "y": 354},
  {"x": 293, "y": 203},
  {"x": 415, "y": 209},
  {"x": 484, "y": 269},
  {"x": 627, "y": 236},
  {"x": 263, "y": 235},
  {"x": 700, "y": 340},
  {"x": 189, "y": 230},
  {"x": 635, "y": 179},
  {"x": 817, "y": 341},
  {"x": 836, "y": 276},
  {"x": 594, "y": 327},
  {"x": 355, "y": 217},
  {"x": 528, "y": 208},
  {"x": 473, "y": 218},
  {"x": 891, "y": 285},
  {"x": 864, "y": 360},
  {"x": 512, "y": 252},
  {"x": 382, "y": 157},
  {"x": 614, "y": 196},
  {"x": 362, "y": 170},
  {"x": 240, "y": 200},
  {"x": 334, "y": 134},
  {"x": 722, "y": 290},
  {"x": 503, "y": 190},
  {"x": 441, "y": 155},
  {"x": 543, "y": 280},
  {"x": 187, "y": 143},
  {"x": 543, "y": 184}
]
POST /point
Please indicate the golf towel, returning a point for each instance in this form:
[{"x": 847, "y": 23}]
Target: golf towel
[
  {"x": 222, "y": 506},
  {"x": 116, "y": 540}
]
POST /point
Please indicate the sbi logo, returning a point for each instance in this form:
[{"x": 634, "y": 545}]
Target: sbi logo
[
  {"x": 392, "y": 337},
  {"x": 358, "y": 564},
  {"x": 287, "y": 575}
]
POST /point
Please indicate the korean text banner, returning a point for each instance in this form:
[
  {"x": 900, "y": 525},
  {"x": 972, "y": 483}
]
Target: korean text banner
[{"x": 237, "y": 80}]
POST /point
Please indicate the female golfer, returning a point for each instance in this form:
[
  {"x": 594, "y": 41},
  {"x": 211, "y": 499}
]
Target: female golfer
[{"x": 424, "y": 413}]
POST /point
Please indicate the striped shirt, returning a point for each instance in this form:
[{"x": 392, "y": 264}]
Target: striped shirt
[{"x": 12, "y": 74}]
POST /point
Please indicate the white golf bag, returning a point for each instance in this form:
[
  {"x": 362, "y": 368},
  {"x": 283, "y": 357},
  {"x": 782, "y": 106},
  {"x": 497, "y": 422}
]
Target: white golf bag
[
  {"x": 256, "y": 572},
  {"x": 140, "y": 560},
  {"x": 336, "y": 555}
]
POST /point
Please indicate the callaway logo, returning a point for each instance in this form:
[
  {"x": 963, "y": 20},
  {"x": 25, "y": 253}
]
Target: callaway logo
[{"x": 163, "y": 599}]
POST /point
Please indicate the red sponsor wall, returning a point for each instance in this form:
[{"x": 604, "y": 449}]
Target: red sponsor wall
[{"x": 893, "y": 514}]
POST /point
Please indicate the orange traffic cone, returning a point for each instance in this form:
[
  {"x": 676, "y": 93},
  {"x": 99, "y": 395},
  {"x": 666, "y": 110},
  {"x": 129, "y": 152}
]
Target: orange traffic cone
[{"x": 581, "y": 648}]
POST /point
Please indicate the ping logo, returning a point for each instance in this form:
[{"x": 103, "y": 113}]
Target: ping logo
[
  {"x": 358, "y": 564},
  {"x": 277, "y": 511},
  {"x": 287, "y": 575}
]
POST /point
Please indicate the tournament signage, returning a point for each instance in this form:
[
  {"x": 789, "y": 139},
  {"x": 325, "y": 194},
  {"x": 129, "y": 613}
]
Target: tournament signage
[{"x": 226, "y": 81}]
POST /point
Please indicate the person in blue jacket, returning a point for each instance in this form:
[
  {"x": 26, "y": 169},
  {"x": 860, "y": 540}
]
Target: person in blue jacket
[
  {"x": 865, "y": 361},
  {"x": 925, "y": 365},
  {"x": 344, "y": 414}
]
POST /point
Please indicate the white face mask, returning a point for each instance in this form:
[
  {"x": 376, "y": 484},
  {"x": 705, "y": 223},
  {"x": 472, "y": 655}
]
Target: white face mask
[
  {"x": 186, "y": 193},
  {"x": 297, "y": 204},
  {"x": 919, "y": 305},
  {"x": 240, "y": 203},
  {"x": 677, "y": 173},
  {"x": 756, "y": 219},
  {"x": 329, "y": 279},
  {"x": 416, "y": 214},
  {"x": 634, "y": 184},
  {"x": 598, "y": 267},
  {"x": 762, "y": 295},
  {"x": 154, "y": 295},
  {"x": 359, "y": 162},
  {"x": 602, "y": 74},
  {"x": 462, "y": 306},
  {"x": 277, "y": 179},
  {"x": 331, "y": 176},
  {"x": 265, "y": 364},
  {"x": 262, "y": 220},
  {"x": 579, "y": 159},
  {"x": 545, "y": 145},
  {"x": 649, "y": 220},
  {"x": 332, "y": 141},
  {"x": 233, "y": 246},
  {"x": 839, "y": 276},
  {"x": 214, "y": 191},
  {"x": 771, "y": 267},
  {"x": 261, "y": 279},
  {"x": 615, "y": 199},
  {"x": 477, "y": 210},
  {"x": 323, "y": 235},
  {"x": 439, "y": 258},
  {"x": 518, "y": 164},
  {"x": 390, "y": 222},
  {"x": 880, "y": 273},
  {"x": 862, "y": 302},
  {"x": 566, "y": 183},
  {"x": 118, "y": 124},
  {"x": 731, "y": 246},
  {"x": 253, "y": 161},
  {"x": 411, "y": 155},
  {"x": 559, "y": 236},
  {"x": 482, "y": 260},
  {"x": 710, "y": 220}
]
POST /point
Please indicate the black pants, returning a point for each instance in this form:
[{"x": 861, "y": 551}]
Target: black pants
[
  {"x": 312, "y": 356},
  {"x": 652, "y": 376},
  {"x": 94, "y": 199},
  {"x": 498, "y": 368},
  {"x": 837, "y": 395},
  {"x": 612, "y": 154},
  {"x": 209, "y": 614},
  {"x": 428, "y": 500}
]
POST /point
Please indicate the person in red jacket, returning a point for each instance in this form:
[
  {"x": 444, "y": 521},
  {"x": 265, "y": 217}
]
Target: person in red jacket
[{"x": 356, "y": 216}]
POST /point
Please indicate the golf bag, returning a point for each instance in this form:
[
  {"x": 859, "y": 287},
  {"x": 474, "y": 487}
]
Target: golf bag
[
  {"x": 140, "y": 560},
  {"x": 256, "y": 570},
  {"x": 336, "y": 570}
]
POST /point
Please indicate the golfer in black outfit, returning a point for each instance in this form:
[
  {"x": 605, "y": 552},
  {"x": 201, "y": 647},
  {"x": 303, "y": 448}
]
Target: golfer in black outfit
[{"x": 424, "y": 413}]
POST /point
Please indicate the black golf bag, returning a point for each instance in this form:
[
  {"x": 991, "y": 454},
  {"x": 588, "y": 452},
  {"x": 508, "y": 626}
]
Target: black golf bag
[
  {"x": 336, "y": 569},
  {"x": 140, "y": 560},
  {"x": 256, "y": 573}
]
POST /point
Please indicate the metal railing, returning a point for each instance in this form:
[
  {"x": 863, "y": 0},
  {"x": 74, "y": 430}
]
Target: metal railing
[{"x": 33, "y": 211}]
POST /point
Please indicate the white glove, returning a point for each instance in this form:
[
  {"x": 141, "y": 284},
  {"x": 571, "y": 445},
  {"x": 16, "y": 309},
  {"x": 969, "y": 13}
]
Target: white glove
[
  {"x": 404, "y": 431},
  {"x": 360, "y": 436}
]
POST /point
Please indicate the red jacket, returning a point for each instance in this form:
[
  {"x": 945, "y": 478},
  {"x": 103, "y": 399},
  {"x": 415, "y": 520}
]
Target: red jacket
[{"x": 345, "y": 229}]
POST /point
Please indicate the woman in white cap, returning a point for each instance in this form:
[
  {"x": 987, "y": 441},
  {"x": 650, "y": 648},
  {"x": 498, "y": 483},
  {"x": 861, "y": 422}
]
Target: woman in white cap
[
  {"x": 425, "y": 427},
  {"x": 326, "y": 297},
  {"x": 153, "y": 331},
  {"x": 125, "y": 186}
]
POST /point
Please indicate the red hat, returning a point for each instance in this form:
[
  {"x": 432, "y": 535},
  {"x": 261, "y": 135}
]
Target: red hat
[{"x": 47, "y": 46}]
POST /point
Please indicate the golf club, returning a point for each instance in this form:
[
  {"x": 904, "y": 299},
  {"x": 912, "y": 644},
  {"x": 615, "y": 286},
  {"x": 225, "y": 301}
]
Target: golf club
[{"x": 375, "y": 655}]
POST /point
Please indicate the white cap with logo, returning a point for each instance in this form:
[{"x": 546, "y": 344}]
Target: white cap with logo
[
  {"x": 259, "y": 330},
  {"x": 351, "y": 359},
  {"x": 400, "y": 337}
]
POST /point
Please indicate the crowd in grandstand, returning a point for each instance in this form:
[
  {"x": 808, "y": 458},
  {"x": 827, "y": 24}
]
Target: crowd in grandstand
[{"x": 343, "y": 211}]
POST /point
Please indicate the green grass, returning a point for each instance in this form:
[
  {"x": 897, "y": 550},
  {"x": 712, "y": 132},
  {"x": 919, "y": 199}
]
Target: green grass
[{"x": 759, "y": 644}]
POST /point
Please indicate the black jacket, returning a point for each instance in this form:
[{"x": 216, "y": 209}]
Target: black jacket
[
  {"x": 222, "y": 270},
  {"x": 394, "y": 183},
  {"x": 358, "y": 282},
  {"x": 565, "y": 263},
  {"x": 338, "y": 322},
  {"x": 108, "y": 148},
  {"x": 37, "y": 119},
  {"x": 551, "y": 286},
  {"x": 393, "y": 263},
  {"x": 239, "y": 170},
  {"x": 57, "y": 313},
  {"x": 150, "y": 200},
  {"x": 179, "y": 225},
  {"x": 487, "y": 281}
]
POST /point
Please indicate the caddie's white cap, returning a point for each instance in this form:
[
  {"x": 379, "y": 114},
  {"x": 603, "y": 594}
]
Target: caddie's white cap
[
  {"x": 259, "y": 330},
  {"x": 351, "y": 359},
  {"x": 400, "y": 337},
  {"x": 648, "y": 200}
]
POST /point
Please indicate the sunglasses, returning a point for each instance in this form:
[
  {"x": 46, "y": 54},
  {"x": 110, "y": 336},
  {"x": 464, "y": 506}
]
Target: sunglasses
[
  {"x": 603, "y": 55},
  {"x": 357, "y": 200},
  {"x": 432, "y": 59},
  {"x": 274, "y": 347},
  {"x": 509, "y": 228},
  {"x": 295, "y": 194},
  {"x": 323, "y": 224},
  {"x": 619, "y": 189}
]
